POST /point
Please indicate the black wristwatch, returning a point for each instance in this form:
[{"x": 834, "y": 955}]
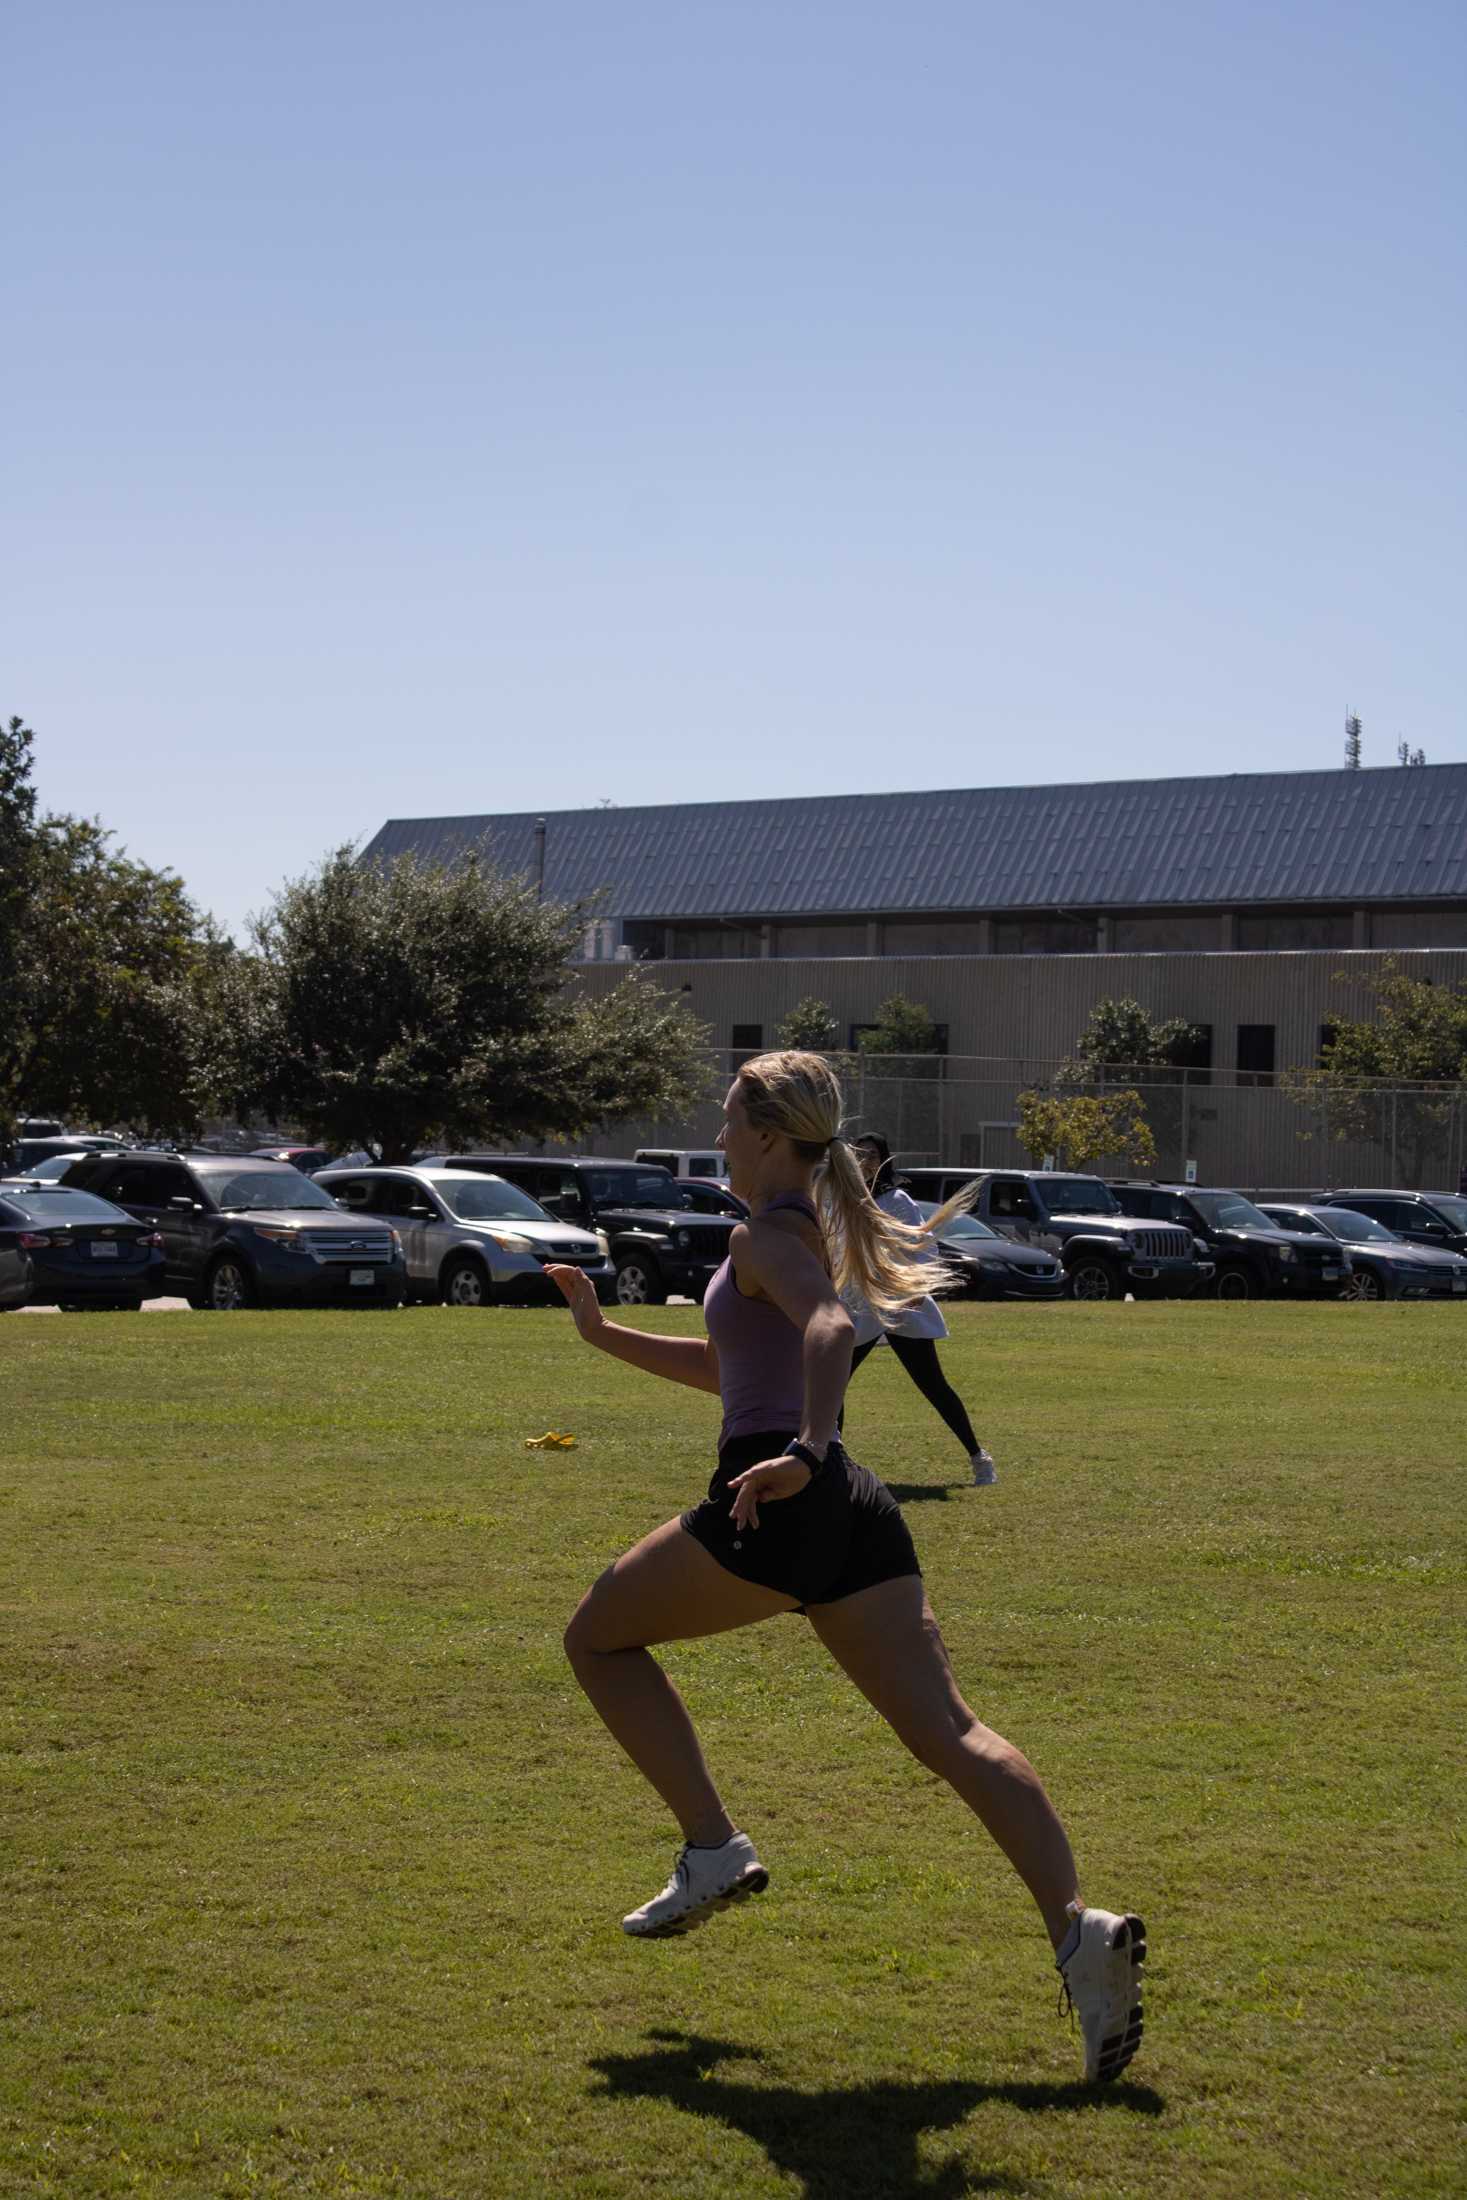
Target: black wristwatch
[{"x": 806, "y": 1455}]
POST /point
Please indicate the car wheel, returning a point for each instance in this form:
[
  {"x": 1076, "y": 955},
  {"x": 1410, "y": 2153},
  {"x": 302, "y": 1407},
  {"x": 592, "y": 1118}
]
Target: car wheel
[
  {"x": 227, "y": 1287},
  {"x": 465, "y": 1282},
  {"x": 1366, "y": 1284},
  {"x": 638, "y": 1282},
  {"x": 1235, "y": 1283},
  {"x": 1093, "y": 1280}
]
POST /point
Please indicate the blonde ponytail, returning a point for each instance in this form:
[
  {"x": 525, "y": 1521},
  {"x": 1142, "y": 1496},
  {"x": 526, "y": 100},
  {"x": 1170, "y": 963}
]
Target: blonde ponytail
[{"x": 798, "y": 1095}]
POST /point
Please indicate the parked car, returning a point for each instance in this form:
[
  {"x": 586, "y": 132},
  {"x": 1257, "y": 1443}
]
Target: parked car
[
  {"x": 50, "y": 1171},
  {"x": 244, "y": 1232},
  {"x": 15, "y": 1267},
  {"x": 658, "y": 1245},
  {"x": 1253, "y": 1257},
  {"x": 308, "y": 1159},
  {"x": 1437, "y": 1219},
  {"x": 1104, "y": 1251},
  {"x": 994, "y": 1267},
  {"x": 26, "y": 1153},
  {"x": 681, "y": 1161},
  {"x": 701, "y": 1196},
  {"x": 471, "y": 1239},
  {"x": 83, "y": 1251},
  {"x": 1385, "y": 1266}
]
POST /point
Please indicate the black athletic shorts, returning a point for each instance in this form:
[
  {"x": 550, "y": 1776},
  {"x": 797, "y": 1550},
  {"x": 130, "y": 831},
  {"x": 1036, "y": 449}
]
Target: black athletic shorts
[{"x": 843, "y": 1532}]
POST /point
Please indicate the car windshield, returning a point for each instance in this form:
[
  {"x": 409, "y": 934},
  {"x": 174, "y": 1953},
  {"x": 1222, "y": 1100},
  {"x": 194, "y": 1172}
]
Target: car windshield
[
  {"x": 634, "y": 1188},
  {"x": 240, "y": 1191},
  {"x": 1230, "y": 1211},
  {"x": 1451, "y": 1210},
  {"x": 1343, "y": 1222},
  {"x": 1077, "y": 1195},
  {"x": 64, "y": 1207},
  {"x": 52, "y": 1171},
  {"x": 958, "y": 1226},
  {"x": 487, "y": 1199}
]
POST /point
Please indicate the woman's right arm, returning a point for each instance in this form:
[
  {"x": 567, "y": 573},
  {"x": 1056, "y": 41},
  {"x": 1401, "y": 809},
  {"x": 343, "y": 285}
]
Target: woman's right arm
[{"x": 690, "y": 1360}]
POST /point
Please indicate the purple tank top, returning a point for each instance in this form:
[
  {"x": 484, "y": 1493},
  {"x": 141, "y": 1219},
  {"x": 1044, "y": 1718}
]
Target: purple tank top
[{"x": 761, "y": 1371}]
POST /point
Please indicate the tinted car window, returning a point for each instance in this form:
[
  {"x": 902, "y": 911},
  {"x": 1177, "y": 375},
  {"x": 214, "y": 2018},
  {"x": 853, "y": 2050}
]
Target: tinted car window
[
  {"x": 397, "y": 1196},
  {"x": 633, "y": 1188},
  {"x": 1286, "y": 1220},
  {"x": 1078, "y": 1195},
  {"x": 1009, "y": 1199},
  {"x": 238, "y": 1191},
  {"x": 145, "y": 1184},
  {"x": 1230, "y": 1211},
  {"x": 1343, "y": 1222},
  {"x": 489, "y": 1199}
]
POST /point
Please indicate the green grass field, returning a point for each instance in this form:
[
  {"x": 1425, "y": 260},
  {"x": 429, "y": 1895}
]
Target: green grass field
[{"x": 313, "y": 1857}]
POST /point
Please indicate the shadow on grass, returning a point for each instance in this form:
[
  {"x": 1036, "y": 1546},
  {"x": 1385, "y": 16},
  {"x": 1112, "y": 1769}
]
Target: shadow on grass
[
  {"x": 917, "y": 1493},
  {"x": 856, "y": 2142}
]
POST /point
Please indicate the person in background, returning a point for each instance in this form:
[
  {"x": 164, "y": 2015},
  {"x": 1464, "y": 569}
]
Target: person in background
[{"x": 914, "y": 1333}]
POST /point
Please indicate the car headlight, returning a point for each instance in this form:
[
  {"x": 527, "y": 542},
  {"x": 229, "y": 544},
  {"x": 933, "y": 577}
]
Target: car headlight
[
  {"x": 277, "y": 1234},
  {"x": 1201, "y": 1248},
  {"x": 512, "y": 1241},
  {"x": 1287, "y": 1252},
  {"x": 605, "y": 1244},
  {"x": 682, "y": 1241}
]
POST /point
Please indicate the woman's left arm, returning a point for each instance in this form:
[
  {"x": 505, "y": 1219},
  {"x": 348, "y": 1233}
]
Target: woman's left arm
[{"x": 785, "y": 1270}]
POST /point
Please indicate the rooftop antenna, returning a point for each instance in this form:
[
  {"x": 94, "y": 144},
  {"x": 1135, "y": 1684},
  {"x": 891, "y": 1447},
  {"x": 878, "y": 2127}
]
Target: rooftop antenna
[
  {"x": 1405, "y": 754},
  {"x": 1352, "y": 742}
]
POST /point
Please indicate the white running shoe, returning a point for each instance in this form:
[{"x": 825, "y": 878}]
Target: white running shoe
[
  {"x": 1100, "y": 1960},
  {"x": 985, "y": 1473},
  {"x": 703, "y": 1880}
]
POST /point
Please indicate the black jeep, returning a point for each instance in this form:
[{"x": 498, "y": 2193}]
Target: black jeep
[
  {"x": 1255, "y": 1259},
  {"x": 1104, "y": 1251},
  {"x": 656, "y": 1240}
]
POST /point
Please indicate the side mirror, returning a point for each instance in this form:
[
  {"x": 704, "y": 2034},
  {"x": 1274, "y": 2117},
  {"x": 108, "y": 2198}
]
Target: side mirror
[
  {"x": 420, "y": 1211},
  {"x": 182, "y": 1204}
]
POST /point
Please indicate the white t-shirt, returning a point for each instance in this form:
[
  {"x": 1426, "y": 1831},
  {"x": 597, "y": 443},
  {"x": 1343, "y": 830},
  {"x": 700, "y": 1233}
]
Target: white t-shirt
[{"x": 920, "y": 1317}]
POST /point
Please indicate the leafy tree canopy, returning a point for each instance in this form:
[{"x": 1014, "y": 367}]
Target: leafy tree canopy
[
  {"x": 1080, "y": 1129},
  {"x": 1121, "y": 1035},
  {"x": 901, "y": 1027},
  {"x": 407, "y": 1004},
  {"x": 811, "y": 1025}
]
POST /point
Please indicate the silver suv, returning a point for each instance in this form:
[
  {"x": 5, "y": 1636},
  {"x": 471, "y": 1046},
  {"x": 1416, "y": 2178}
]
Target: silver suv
[{"x": 470, "y": 1239}]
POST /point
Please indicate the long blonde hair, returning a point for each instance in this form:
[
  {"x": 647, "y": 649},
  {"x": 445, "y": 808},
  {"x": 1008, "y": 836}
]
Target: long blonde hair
[{"x": 799, "y": 1096}]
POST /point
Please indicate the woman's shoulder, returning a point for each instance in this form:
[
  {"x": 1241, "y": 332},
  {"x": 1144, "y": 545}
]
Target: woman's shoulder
[{"x": 900, "y": 1204}]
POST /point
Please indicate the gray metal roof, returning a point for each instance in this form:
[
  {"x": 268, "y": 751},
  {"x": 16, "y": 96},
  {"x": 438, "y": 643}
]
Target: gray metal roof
[{"x": 1271, "y": 837}]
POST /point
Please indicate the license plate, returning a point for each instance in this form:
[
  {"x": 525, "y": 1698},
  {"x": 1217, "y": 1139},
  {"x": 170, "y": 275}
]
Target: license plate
[
  {"x": 362, "y": 1275},
  {"x": 102, "y": 1251}
]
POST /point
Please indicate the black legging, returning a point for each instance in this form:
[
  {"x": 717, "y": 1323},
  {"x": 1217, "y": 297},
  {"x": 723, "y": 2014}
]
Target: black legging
[{"x": 918, "y": 1355}]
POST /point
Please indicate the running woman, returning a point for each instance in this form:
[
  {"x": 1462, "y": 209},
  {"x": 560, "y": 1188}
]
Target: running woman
[
  {"x": 914, "y": 1330},
  {"x": 791, "y": 1523}
]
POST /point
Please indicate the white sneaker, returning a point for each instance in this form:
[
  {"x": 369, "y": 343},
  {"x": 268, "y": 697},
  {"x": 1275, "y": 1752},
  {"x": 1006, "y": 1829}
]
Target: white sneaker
[
  {"x": 703, "y": 1880},
  {"x": 1100, "y": 1960},
  {"x": 985, "y": 1473}
]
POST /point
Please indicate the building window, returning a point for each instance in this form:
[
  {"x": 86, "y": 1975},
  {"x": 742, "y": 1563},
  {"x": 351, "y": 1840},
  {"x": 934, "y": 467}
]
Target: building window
[
  {"x": 713, "y": 943},
  {"x": 1044, "y": 935},
  {"x": 1418, "y": 928},
  {"x": 746, "y": 1041},
  {"x": 1194, "y": 1055},
  {"x": 1282, "y": 930},
  {"x": 1164, "y": 935},
  {"x": 1255, "y": 1054},
  {"x": 820, "y": 939},
  {"x": 645, "y": 940},
  {"x": 932, "y": 936}
]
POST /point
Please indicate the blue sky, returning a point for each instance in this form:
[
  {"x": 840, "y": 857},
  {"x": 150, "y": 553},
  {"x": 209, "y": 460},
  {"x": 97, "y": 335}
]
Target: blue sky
[{"x": 474, "y": 407}]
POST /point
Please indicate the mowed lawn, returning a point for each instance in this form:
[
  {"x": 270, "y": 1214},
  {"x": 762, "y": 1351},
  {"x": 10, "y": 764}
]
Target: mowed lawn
[{"x": 313, "y": 1858}]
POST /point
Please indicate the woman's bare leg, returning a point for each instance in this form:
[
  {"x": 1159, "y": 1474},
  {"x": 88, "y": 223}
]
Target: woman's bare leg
[
  {"x": 888, "y": 1641},
  {"x": 665, "y": 1589}
]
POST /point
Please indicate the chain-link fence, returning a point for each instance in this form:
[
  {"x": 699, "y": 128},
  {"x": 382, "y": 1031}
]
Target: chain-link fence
[{"x": 1256, "y": 1131}]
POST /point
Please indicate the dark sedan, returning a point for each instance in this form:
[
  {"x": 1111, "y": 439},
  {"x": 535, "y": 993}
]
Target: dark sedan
[
  {"x": 994, "y": 1267},
  {"x": 83, "y": 1251},
  {"x": 1385, "y": 1266}
]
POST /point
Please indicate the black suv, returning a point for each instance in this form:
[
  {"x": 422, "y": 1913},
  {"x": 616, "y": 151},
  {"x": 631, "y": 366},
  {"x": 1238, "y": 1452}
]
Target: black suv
[
  {"x": 1255, "y": 1259},
  {"x": 241, "y": 1232},
  {"x": 1438, "y": 1219},
  {"x": 1102, "y": 1250},
  {"x": 658, "y": 1243}
]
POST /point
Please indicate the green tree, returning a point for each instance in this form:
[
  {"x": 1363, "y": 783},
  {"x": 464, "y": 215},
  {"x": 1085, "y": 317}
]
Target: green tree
[
  {"x": 810, "y": 1025},
  {"x": 1082, "y": 1128},
  {"x": 1368, "y": 1082},
  {"x": 105, "y": 962},
  {"x": 901, "y": 1027},
  {"x": 1120, "y": 1035},
  {"x": 394, "y": 1006}
]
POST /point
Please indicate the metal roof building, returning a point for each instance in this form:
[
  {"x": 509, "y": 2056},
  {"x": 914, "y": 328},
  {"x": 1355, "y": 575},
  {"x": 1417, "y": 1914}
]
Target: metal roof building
[{"x": 1299, "y": 840}]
